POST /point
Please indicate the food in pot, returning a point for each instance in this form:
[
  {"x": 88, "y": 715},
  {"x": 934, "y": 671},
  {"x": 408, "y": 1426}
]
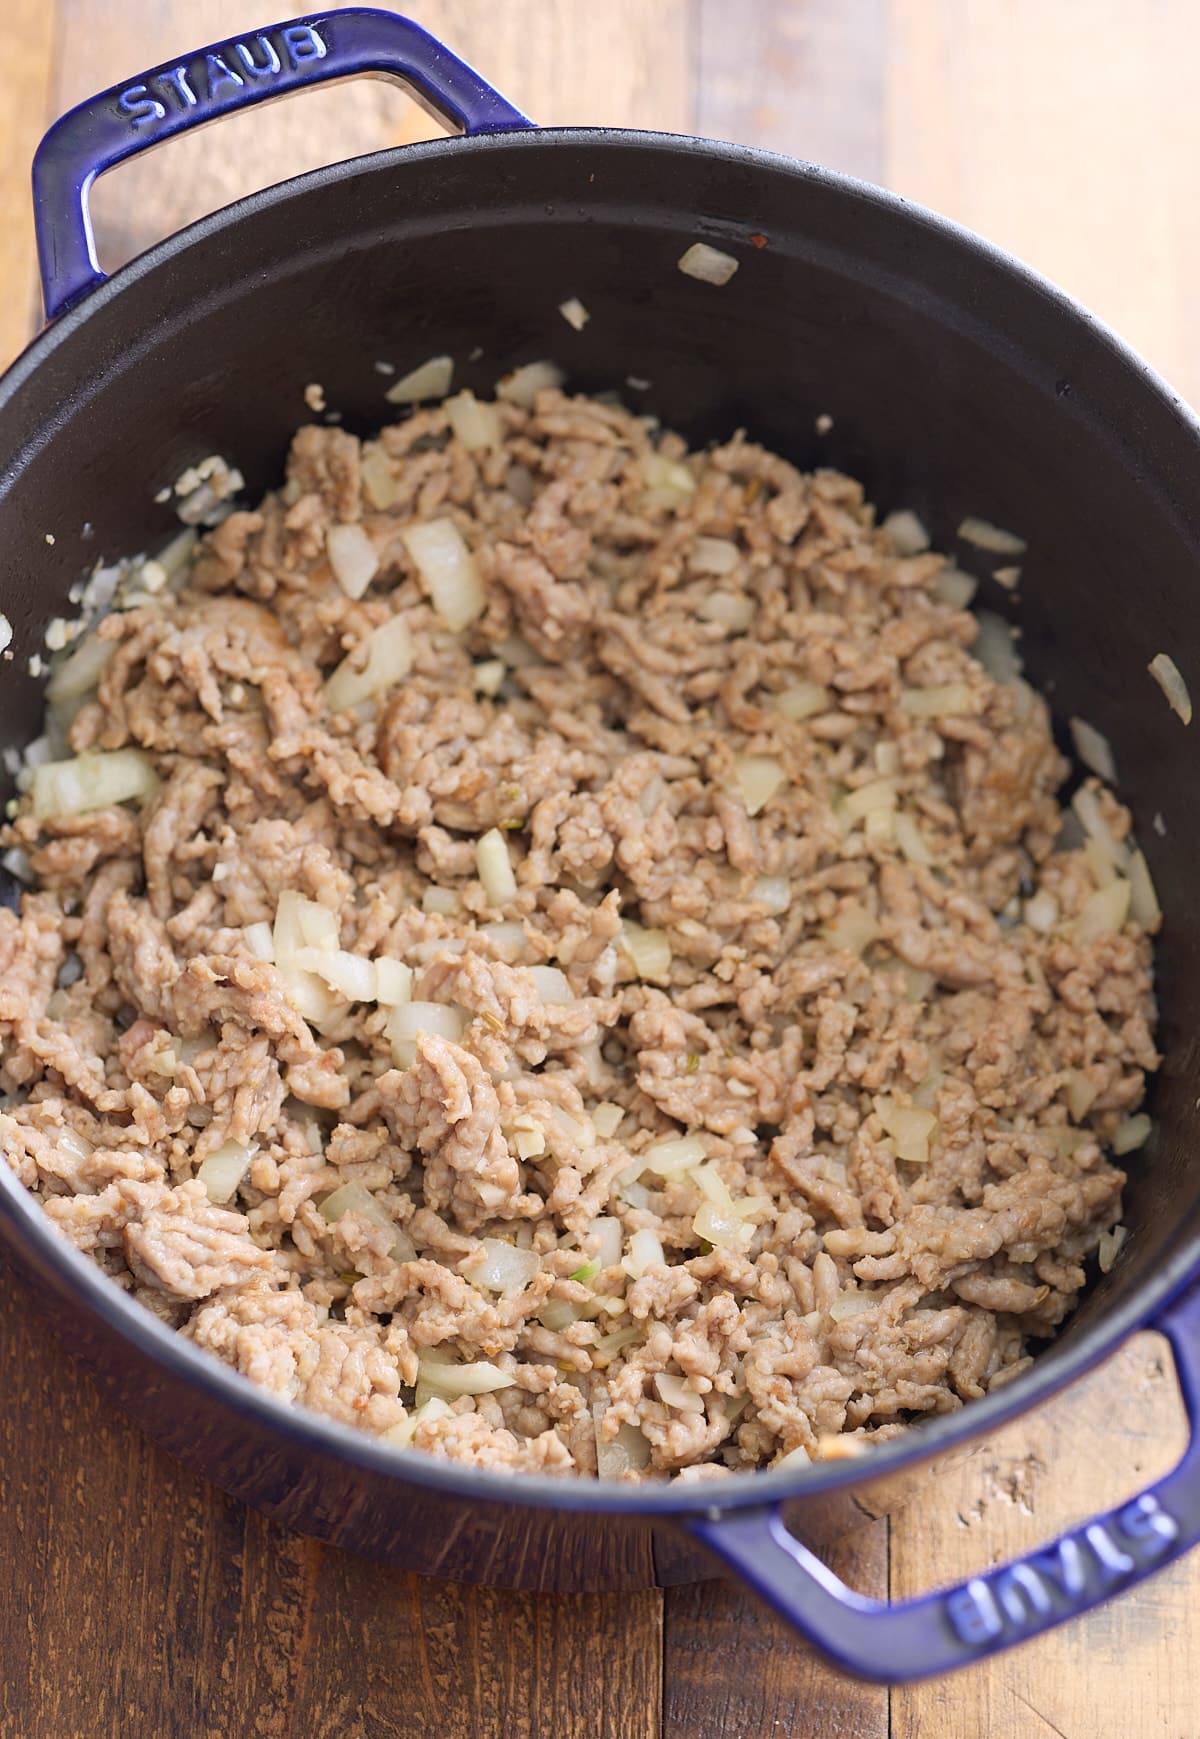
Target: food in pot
[{"x": 553, "y": 949}]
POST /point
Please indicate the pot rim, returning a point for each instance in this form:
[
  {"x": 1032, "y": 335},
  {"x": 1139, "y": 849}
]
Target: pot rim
[{"x": 92, "y": 1289}]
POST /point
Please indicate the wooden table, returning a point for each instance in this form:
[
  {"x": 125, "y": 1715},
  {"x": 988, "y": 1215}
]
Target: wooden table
[{"x": 136, "y": 1601}]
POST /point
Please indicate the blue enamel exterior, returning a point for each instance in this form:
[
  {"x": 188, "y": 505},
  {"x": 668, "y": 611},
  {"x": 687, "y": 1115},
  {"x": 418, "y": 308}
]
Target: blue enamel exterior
[{"x": 170, "y": 99}]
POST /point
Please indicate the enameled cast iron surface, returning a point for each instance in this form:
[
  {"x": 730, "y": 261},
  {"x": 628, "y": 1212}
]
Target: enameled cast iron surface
[{"x": 956, "y": 382}]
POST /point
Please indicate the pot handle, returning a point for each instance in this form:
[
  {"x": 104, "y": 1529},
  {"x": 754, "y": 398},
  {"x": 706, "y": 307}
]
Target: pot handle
[
  {"x": 215, "y": 81},
  {"x": 954, "y": 1627}
]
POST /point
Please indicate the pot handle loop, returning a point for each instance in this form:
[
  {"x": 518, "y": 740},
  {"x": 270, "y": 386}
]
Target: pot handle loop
[
  {"x": 215, "y": 81},
  {"x": 956, "y": 1626}
]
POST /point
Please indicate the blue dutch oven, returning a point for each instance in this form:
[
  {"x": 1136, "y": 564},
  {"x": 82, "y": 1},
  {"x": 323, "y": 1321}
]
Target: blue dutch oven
[{"x": 957, "y": 382}]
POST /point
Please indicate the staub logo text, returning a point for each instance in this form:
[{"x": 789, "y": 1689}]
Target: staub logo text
[{"x": 220, "y": 74}]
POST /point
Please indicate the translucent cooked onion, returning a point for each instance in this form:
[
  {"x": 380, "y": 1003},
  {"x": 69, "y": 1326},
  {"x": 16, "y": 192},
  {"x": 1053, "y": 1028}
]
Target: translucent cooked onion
[
  {"x": 429, "y": 380},
  {"x": 400, "y": 1436},
  {"x": 551, "y": 984},
  {"x": 713, "y": 555},
  {"x": 94, "y": 780},
  {"x": 389, "y": 658},
  {"x": 1166, "y": 674},
  {"x": 1143, "y": 899},
  {"x": 909, "y": 1128},
  {"x": 853, "y": 929},
  {"x": 674, "y": 1392},
  {"x": 447, "y": 569},
  {"x": 510, "y": 937},
  {"x": 259, "y": 941},
  {"x": 440, "y": 903},
  {"x": 995, "y": 647},
  {"x": 608, "y": 1231},
  {"x": 955, "y": 588},
  {"x": 1094, "y": 750},
  {"x": 627, "y": 1452},
  {"x": 448, "y": 1380},
  {"x": 708, "y": 264},
  {"x": 759, "y": 778},
  {"x": 574, "y": 313},
  {"x": 523, "y": 385},
  {"x": 1087, "y": 807},
  {"x": 907, "y": 534},
  {"x": 488, "y": 677},
  {"x": 773, "y": 892},
  {"x": 721, "y": 1226},
  {"x": 1041, "y": 912},
  {"x": 1080, "y": 1092},
  {"x": 502, "y": 1267},
  {"x": 942, "y": 700},
  {"x": 984, "y": 535},
  {"x": 353, "y": 558},
  {"x": 728, "y": 611},
  {"x": 673, "y": 1157},
  {"x": 1109, "y": 1247},
  {"x": 79, "y": 672},
  {"x": 393, "y": 981},
  {"x": 351, "y": 975},
  {"x": 911, "y": 840},
  {"x": 649, "y": 950},
  {"x": 852, "y": 1303},
  {"x": 495, "y": 868},
  {"x": 379, "y": 481},
  {"x": 476, "y": 425},
  {"x": 411, "y": 1019},
  {"x": 557, "y": 1314},
  {"x": 668, "y": 481},
  {"x": 607, "y": 1118},
  {"x": 225, "y": 1167},
  {"x": 1103, "y": 913},
  {"x": 878, "y": 794},
  {"x": 645, "y": 1251},
  {"x": 802, "y": 700},
  {"x": 1133, "y": 1133},
  {"x": 355, "y": 1198}
]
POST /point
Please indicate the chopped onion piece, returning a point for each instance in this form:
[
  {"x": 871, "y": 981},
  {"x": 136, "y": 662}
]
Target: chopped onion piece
[
  {"x": 627, "y": 1452},
  {"x": 1080, "y": 1093},
  {"x": 1165, "y": 672},
  {"x": 476, "y": 425},
  {"x": 722, "y": 1227},
  {"x": 558, "y": 1314},
  {"x": 80, "y": 670},
  {"x": 669, "y": 481},
  {"x": 708, "y": 264},
  {"x": 429, "y": 380},
  {"x": 1132, "y": 1134},
  {"x": 1109, "y": 1247},
  {"x": 649, "y": 950},
  {"x": 911, "y": 840},
  {"x": 523, "y": 385},
  {"x": 259, "y": 941},
  {"x": 1104, "y": 871},
  {"x": 802, "y": 700},
  {"x": 389, "y": 658},
  {"x": 645, "y": 1251},
  {"x": 674, "y": 1392},
  {"x": 995, "y": 647},
  {"x": 759, "y": 778},
  {"x": 400, "y": 1435},
  {"x": 574, "y": 313},
  {"x": 351, "y": 975},
  {"x": 908, "y": 536},
  {"x": 1094, "y": 750},
  {"x": 853, "y": 929},
  {"x": 955, "y": 588},
  {"x": 551, "y": 984},
  {"x": 378, "y": 479},
  {"x": 852, "y": 1303},
  {"x": 440, "y": 903},
  {"x": 611, "y": 1236},
  {"x": 511, "y": 937},
  {"x": 1086, "y": 805},
  {"x": 773, "y": 892},
  {"x": 909, "y": 1129},
  {"x": 990, "y": 537},
  {"x": 411, "y": 1019},
  {"x": 1041, "y": 912},
  {"x": 447, "y": 569},
  {"x": 495, "y": 868},
  {"x": 1103, "y": 913},
  {"x": 943, "y": 700},
  {"x": 798, "y": 1457},
  {"x": 222, "y": 1172},
  {"x": 713, "y": 555},
  {"x": 302, "y": 923},
  {"x": 879, "y": 794},
  {"x": 672, "y": 1158},
  {"x": 1009, "y": 578},
  {"x": 728, "y": 610},
  {"x": 489, "y": 676},
  {"x": 481, "y": 1378},
  {"x": 94, "y": 780},
  {"x": 607, "y": 1118},
  {"x": 393, "y": 981},
  {"x": 1143, "y": 900},
  {"x": 502, "y": 1267},
  {"x": 353, "y": 558},
  {"x": 355, "y": 1198}
]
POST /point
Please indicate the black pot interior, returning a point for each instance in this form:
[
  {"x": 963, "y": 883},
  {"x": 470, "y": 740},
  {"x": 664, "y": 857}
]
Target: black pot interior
[{"x": 955, "y": 385}]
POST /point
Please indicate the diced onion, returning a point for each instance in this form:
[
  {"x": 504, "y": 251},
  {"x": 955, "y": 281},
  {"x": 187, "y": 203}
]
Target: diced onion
[
  {"x": 1104, "y": 871},
  {"x": 389, "y": 658},
  {"x": 495, "y": 868},
  {"x": 802, "y": 700},
  {"x": 674, "y": 1392},
  {"x": 92, "y": 781},
  {"x": 911, "y": 840},
  {"x": 627, "y": 1452},
  {"x": 607, "y": 1228},
  {"x": 80, "y": 670},
  {"x": 1109, "y": 1246},
  {"x": 879, "y": 794},
  {"x": 441, "y": 1019},
  {"x": 995, "y": 647},
  {"x": 713, "y": 555},
  {"x": 672, "y": 1158},
  {"x": 908, "y": 536},
  {"x": 990, "y": 537},
  {"x": 1009, "y": 578},
  {"x": 727, "y": 610},
  {"x": 1103, "y": 913},
  {"x": 943, "y": 700},
  {"x": 355, "y": 1198},
  {"x": 502, "y": 1267},
  {"x": 669, "y": 481},
  {"x": 476, "y": 425},
  {"x": 440, "y": 903},
  {"x": 1132, "y": 1134},
  {"x": 955, "y": 588},
  {"x": 510, "y": 937},
  {"x": 551, "y": 984},
  {"x": 448, "y": 570},
  {"x": 721, "y": 1226},
  {"x": 910, "y": 1129},
  {"x": 378, "y": 479},
  {"x": 1094, "y": 750},
  {"x": 798, "y": 1457},
  {"x": 429, "y": 380},
  {"x": 259, "y": 941},
  {"x": 708, "y": 264},
  {"x": 607, "y": 1118},
  {"x": 649, "y": 950},
  {"x": 773, "y": 892},
  {"x": 558, "y": 1314},
  {"x": 1143, "y": 899},
  {"x": 759, "y": 778},
  {"x": 351, "y": 975},
  {"x": 488, "y": 677},
  {"x": 853, "y": 929},
  {"x": 393, "y": 981},
  {"x": 574, "y": 313},
  {"x": 1041, "y": 912},
  {"x": 1080, "y": 1092},
  {"x": 400, "y": 1436},
  {"x": 1166, "y": 674},
  {"x": 223, "y": 1170},
  {"x": 645, "y": 1251},
  {"x": 353, "y": 558},
  {"x": 1086, "y": 805},
  {"x": 481, "y": 1378},
  {"x": 523, "y": 385},
  {"x": 852, "y": 1303}
]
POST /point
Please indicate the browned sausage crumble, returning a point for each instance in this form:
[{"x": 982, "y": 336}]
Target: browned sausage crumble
[{"x": 641, "y": 1015}]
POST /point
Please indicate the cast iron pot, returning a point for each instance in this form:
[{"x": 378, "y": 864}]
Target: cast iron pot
[{"x": 957, "y": 383}]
